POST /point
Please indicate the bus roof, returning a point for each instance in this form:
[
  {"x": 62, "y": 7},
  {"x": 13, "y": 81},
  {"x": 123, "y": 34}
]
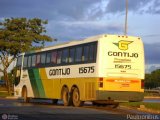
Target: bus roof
[{"x": 77, "y": 42}]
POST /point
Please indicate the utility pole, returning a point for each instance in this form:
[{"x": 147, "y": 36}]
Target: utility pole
[{"x": 125, "y": 32}]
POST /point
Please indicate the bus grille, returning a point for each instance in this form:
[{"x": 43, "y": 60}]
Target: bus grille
[{"x": 90, "y": 92}]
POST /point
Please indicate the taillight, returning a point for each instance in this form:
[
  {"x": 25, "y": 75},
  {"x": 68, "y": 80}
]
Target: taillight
[
  {"x": 100, "y": 82},
  {"x": 142, "y": 84}
]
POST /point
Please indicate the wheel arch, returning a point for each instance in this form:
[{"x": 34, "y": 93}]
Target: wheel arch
[
  {"x": 24, "y": 88},
  {"x": 73, "y": 87}
]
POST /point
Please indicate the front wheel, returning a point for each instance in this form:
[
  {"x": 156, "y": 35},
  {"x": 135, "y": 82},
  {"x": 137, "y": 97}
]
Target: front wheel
[
  {"x": 24, "y": 95},
  {"x": 76, "y": 98}
]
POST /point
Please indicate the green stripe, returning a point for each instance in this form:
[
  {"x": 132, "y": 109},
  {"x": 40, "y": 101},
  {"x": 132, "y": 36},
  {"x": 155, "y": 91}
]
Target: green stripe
[
  {"x": 39, "y": 83},
  {"x": 33, "y": 82},
  {"x": 36, "y": 83}
]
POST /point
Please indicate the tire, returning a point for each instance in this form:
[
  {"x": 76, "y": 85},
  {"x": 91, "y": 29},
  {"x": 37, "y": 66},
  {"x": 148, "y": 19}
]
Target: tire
[
  {"x": 76, "y": 98},
  {"x": 66, "y": 97},
  {"x": 24, "y": 95}
]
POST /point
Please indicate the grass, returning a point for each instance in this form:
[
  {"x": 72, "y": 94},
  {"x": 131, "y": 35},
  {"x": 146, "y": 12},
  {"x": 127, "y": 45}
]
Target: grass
[
  {"x": 4, "y": 94},
  {"x": 152, "y": 94},
  {"x": 154, "y": 106},
  {"x": 2, "y": 88}
]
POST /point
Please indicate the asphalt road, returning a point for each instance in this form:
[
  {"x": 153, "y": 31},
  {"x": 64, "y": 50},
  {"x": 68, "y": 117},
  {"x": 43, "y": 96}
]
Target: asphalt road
[{"x": 15, "y": 110}]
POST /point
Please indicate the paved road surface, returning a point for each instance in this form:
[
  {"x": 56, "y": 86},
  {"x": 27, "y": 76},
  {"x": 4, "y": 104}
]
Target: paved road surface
[{"x": 14, "y": 109}]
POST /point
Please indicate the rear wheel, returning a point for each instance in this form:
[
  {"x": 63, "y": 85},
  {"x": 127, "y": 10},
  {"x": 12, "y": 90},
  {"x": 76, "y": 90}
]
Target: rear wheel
[
  {"x": 66, "y": 97},
  {"x": 76, "y": 98},
  {"x": 24, "y": 95}
]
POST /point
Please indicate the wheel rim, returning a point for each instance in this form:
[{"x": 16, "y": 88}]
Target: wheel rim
[{"x": 76, "y": 98}]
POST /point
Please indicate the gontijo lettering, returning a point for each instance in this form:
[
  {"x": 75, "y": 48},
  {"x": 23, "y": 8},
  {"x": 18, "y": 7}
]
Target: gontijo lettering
[
  {"x": 123, "y": 54},
  {"x": 65, "y": 71}
]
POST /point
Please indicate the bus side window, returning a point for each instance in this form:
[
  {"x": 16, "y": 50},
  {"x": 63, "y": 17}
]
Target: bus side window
[
  {"x": 95, "y": 52},
  {"x": 25, "y": 61},
  {"x": 71, "y": 55},
  {"x": 91, "y": 52},
  {"x": 59, "y": 54},
  {"x": 65, "y": 55},
  {"x": 38, "y": 59},
  {"x": 29, "y": 61},
  {"x": 33, "y": 60},
  {"x": 85, "y": 53},
  {"x": 54, "y": 57},
  {"x": 43, "y": 58},
  {"x": 48, "y": 57},
  {"x": 78, "y": 55}
]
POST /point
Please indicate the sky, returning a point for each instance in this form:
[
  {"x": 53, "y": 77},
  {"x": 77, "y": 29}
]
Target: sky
[{"x": 78, "y": 19}]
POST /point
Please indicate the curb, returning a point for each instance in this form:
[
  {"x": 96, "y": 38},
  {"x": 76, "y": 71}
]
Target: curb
[
  {"x": 3, "y": 91},
  {"x": 156, "y": 97},
  {"x": 11, "y": 97},
  {"x": 142, "y": 108}
]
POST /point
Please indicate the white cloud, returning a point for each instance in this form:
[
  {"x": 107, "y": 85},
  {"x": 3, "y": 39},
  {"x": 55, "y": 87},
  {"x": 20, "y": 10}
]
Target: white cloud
[
  {"x": 152, "y": 67},
  {"x": 65, "y": 30}
]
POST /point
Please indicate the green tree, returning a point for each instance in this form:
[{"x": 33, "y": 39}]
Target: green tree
[
  {"x": 19, "y": 35},
  {"x": 152, "y": 80},
  {"x": 156, "y": 77},
  {"x": 147, "y": 81}
]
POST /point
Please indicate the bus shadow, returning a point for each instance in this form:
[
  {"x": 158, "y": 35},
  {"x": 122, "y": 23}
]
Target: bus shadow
[{"x": 36, "y": 101}]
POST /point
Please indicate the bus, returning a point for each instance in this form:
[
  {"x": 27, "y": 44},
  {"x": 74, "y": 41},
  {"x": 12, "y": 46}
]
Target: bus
[{"x": 99, "y": 68}]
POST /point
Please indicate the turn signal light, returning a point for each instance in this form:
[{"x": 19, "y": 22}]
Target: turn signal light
[
  {"x": 101, "y": 82},
  {"x": 142, "y": 84}
]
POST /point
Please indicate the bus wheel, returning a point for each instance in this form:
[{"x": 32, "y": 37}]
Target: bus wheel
[
  {"x": 76, "y": 98},
  {"x": 66, "y": 96},
  {"x": 24, "y": 95}
]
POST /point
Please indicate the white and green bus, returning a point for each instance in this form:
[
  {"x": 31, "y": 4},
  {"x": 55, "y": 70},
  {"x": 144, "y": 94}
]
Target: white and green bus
[{"x": 99, "y": 68}]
